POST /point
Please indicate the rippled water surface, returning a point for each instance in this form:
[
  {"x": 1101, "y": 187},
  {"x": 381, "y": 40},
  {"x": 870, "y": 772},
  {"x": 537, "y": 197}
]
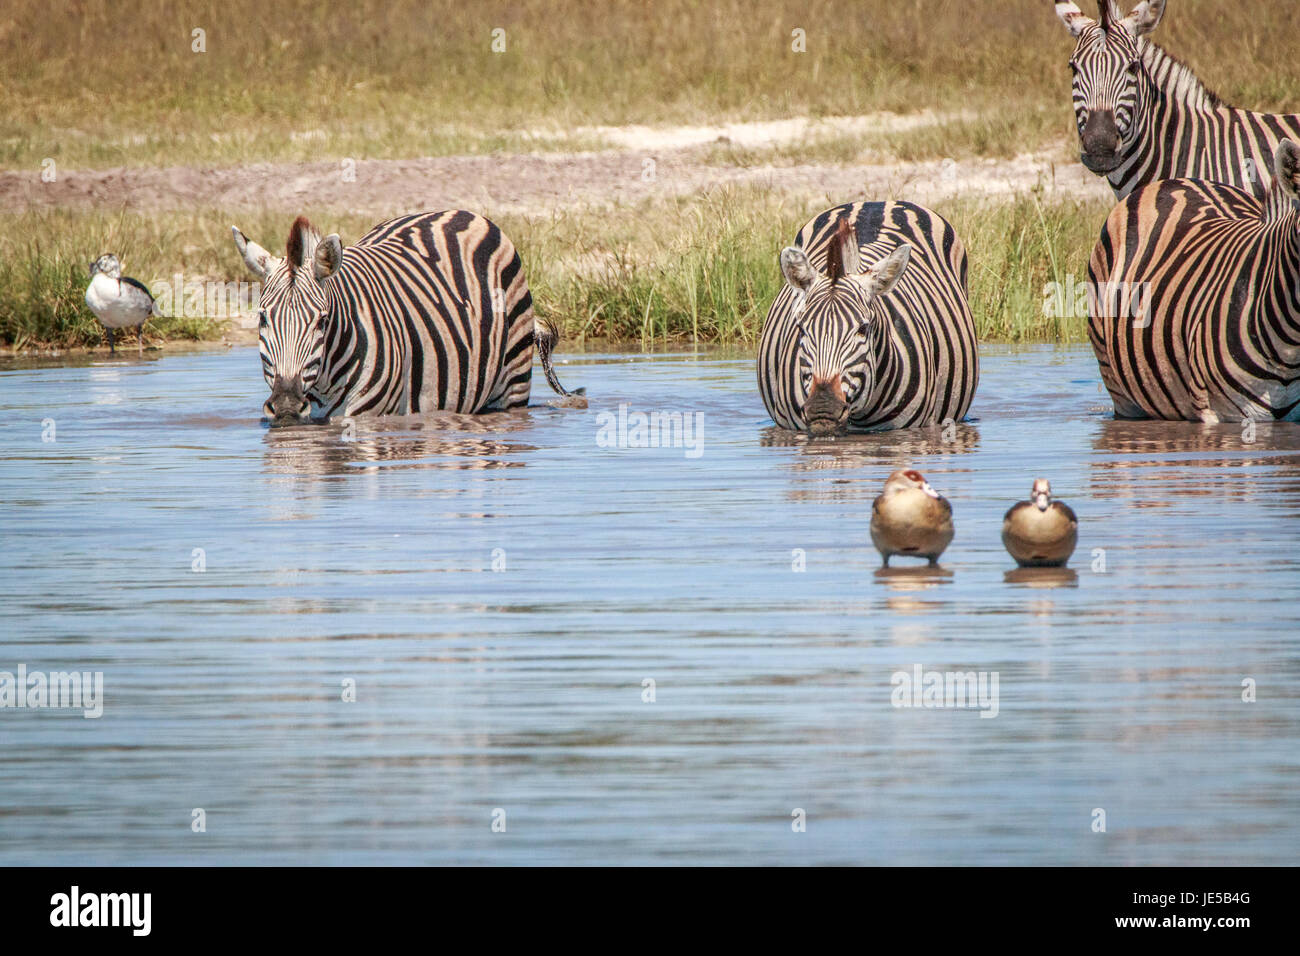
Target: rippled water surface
[{"x": 371, "y": 556}]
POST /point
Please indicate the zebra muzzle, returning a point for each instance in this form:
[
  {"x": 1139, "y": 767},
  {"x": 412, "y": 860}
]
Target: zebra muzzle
[
  {"x": 826, "y": 412},
  {"x": 1100, "y": 142},
  {"x": 288, "y": 402}
]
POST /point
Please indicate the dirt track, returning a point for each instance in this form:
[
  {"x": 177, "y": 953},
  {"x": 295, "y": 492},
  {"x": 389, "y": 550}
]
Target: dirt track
[{"x": 535, "y": 183}]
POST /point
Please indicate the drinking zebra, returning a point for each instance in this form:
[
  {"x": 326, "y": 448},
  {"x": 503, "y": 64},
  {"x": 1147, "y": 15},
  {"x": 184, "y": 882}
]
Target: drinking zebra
[
  {"x": 1218, "y": 271},
  {"x": 872, "y": 329},
  {"x": 1143, "y": 116},
  {"x": 424, "y": 312}
]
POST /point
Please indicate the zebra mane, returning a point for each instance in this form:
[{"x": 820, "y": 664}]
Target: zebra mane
[
  {"x": 301, "y": 244},
  {"x": 1107, "y": 13},
  {"x": 835, "y": 255},
  {"x": 1174, "y": 78}
]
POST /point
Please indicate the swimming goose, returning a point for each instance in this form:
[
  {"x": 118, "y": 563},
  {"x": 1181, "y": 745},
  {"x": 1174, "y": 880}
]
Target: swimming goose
[
  {"x": 1040, "y": 532},
  {"x": 910, "y": 518},
  {"x": 118, "y": 302}
]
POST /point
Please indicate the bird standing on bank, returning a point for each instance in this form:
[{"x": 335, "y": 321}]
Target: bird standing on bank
[
  {"x": 118, "y": 302},
  {"x": 1040, "y": 532},
  {"x": 910, "y": 518}
]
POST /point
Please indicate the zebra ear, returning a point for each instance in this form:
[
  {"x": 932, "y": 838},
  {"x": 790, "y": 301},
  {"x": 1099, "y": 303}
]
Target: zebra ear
[
  {"x": 1286, "y": 168},
  {"x": 1145, "y": 17},
  {"x": 1073, "y": 17},
  {"x": 881, "y": 276},
  {"x": 796, "y": 268},
  {"x": 260, "y": 262},
  {"x": 328, "y": 258}
]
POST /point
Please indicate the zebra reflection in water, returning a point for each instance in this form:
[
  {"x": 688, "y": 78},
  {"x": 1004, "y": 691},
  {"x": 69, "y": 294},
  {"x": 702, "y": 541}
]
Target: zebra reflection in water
[
  {"x": 863, "y": 458},
  {"x": 439, "y": 441},
  {"x": 1156, "y": 463}
]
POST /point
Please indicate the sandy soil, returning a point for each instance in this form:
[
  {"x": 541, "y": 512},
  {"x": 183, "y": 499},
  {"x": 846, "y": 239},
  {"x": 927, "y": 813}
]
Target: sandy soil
[{"x": 643, "y": 163}]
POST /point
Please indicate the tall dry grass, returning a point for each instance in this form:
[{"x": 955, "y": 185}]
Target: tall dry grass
[{"x": 93, "y": 83}]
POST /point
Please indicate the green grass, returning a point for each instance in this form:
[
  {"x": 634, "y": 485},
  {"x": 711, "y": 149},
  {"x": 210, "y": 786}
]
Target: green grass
[
  {"x": 44, "y": 270},
  {"x": 1015, "y": 249},
  {"x": 706, "y": 270},
  {"x": 699, "y": 269}
]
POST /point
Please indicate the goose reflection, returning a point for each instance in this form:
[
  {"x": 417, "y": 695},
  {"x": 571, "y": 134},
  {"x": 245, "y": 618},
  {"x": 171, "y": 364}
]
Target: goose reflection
[
  {"x": 1043, "y": 577},
  {"x": 913, "y": 577}
]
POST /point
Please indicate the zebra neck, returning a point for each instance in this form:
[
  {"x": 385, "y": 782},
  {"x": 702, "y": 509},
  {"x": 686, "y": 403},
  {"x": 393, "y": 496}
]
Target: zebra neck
[
  {"x": 884, "y": 345},
  {"x": 1174, "y": 82},
  {"x": 1178, "y": 118},
  {"x": 344, "y": 348},
  {"x": 1280, "y": 208}
]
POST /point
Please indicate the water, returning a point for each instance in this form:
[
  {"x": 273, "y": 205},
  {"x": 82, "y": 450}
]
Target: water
[{"x": 371, "y": 560}]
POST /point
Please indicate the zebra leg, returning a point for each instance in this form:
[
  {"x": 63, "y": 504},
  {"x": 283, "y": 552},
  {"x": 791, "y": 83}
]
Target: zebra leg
[{"x": 544, "y": 337}]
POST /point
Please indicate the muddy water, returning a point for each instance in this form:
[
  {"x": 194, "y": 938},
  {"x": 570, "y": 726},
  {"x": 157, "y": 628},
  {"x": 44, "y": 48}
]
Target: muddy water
[{"x": 498, "y": 594}]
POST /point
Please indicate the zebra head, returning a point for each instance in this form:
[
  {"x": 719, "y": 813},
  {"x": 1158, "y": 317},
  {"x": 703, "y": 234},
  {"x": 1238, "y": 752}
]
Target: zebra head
[
  {"x": 293, "y": 306},
  {"x": 1110, "y": 86},
  {"x": 1286, "y": 179},
  {"x": 840, "y": 326}
]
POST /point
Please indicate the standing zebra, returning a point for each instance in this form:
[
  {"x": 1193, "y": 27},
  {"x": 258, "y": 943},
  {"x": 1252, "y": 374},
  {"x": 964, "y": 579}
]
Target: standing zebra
[
  {"x": 424, "y": 312},
  {"x": 1144, "y": 116},
  {"x": 872, "y": 329},
  {"x": 1219, "y": 337}
]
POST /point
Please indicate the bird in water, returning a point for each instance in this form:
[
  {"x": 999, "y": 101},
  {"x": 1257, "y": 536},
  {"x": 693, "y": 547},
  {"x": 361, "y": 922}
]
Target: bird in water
[
  {"x": 119, "y": 302},
  {"x": 910, "y": 518},
  {"x": 1040, "y": 532}
]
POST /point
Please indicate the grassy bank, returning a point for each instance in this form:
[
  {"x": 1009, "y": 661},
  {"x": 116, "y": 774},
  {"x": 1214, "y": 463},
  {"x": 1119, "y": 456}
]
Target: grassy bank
[
  {"x": 706, "y": 270},
  {"x": 702, "y": 269},
  {"x": 88, "y": 83}
]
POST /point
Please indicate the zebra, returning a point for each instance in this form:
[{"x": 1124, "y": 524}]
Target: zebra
[
  {"x": 1218, "y": 336},
  {"x": 425, "y": 312},
  {"x": 872, "y": 329},
  {"x": 1143, "y": 116}
]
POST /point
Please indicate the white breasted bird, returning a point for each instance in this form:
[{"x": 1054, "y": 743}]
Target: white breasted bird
[
  {"x": 118, "y": 302},
  {"x": 1040, "y": 532},
  {"x": 910, "y": 518}
]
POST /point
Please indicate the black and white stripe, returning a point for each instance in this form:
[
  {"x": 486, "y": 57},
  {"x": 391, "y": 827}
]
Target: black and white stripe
[
  {"x": 872, "y": 329},
  {"x": 425, "y": 312},
  {"x": 1218, "y": 273},
  {"x": 1143, "y": 116}
]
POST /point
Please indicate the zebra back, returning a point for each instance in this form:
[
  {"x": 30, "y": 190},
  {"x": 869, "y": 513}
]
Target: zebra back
[
  {"x": 428, "y": 312},
  {"x": 1194, "y": 302},
  {"x": 927, "y": 367}
]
